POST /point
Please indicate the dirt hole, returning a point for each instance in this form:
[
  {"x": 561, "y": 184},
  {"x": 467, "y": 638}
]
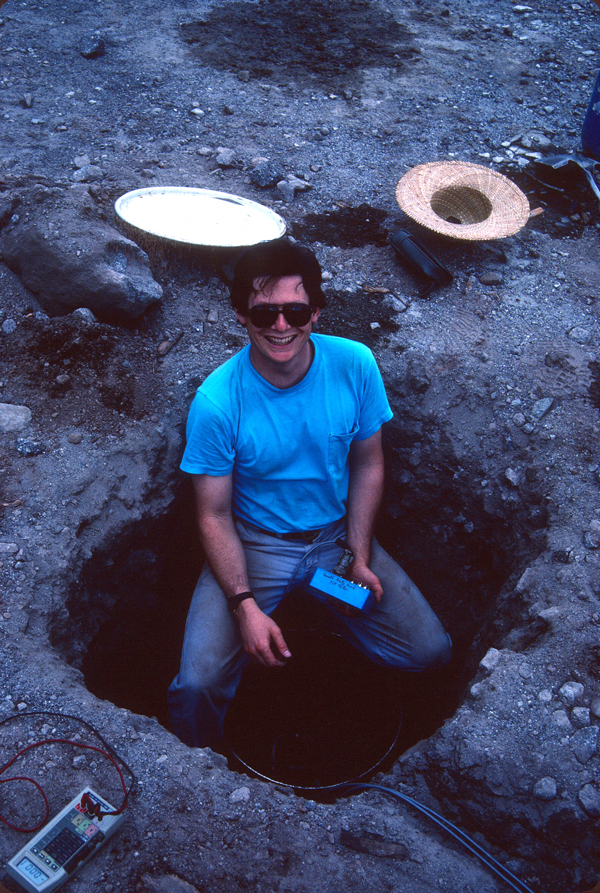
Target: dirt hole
[{"x": 123, "y": 620}]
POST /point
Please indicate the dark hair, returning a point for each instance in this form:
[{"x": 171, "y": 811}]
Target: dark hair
[{"x": 272, "y": 260}]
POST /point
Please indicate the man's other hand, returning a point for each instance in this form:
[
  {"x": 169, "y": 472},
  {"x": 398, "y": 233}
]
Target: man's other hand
[
  {"x": 361, "y": 573},
  {"x": 261, "y": 637}
]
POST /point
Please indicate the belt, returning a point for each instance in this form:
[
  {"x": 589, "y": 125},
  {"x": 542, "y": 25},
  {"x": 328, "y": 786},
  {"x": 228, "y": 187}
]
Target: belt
[{"x": 305, "y": 536}]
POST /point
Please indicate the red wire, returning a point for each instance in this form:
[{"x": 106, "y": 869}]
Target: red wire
[
  {"x": 46, "y": 804},
  {"x": 94, "y": 809}
]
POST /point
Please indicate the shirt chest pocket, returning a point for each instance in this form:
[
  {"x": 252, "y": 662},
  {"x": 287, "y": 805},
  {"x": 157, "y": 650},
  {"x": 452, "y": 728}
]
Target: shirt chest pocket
[{"x": 339, "y": 447}]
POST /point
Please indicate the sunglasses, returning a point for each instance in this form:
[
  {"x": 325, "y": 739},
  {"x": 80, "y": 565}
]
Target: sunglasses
[{"x": 262, "y": 316}]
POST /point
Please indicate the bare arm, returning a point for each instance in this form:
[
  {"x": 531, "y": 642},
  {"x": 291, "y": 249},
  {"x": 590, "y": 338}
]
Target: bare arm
[
  {"x": 364, "y": 498},
  {"x": 261, "y": 637}
]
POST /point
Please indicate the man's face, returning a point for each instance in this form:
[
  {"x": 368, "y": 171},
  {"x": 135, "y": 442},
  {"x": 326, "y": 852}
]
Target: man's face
[{"x": 280, "y": 346}]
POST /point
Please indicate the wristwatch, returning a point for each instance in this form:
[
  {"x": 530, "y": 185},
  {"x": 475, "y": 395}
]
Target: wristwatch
[{"x": 234, "y": 601}]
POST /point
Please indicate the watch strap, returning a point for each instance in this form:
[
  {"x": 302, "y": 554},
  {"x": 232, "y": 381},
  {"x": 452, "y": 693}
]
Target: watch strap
[{"x": 234, "y": 601}]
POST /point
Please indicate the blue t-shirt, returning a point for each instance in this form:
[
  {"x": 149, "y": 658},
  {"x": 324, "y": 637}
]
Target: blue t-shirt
[{"x": 287, "y": 449}]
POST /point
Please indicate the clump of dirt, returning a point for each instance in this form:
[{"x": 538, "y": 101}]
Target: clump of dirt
[
  {"x": 295, "y": 38},
  {"x": 73, "y": 362},
  {"x": 347, "y": 228}
]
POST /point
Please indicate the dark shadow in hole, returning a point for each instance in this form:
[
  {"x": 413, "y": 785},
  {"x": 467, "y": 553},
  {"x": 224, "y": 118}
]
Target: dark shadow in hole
[{"x": 329, "y": 716}]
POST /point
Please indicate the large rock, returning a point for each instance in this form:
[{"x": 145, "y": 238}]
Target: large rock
[{"x": 69, "y": 257}]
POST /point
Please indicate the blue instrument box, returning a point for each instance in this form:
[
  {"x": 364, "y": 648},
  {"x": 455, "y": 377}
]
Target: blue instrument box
[{"x": 326, "y": 586}]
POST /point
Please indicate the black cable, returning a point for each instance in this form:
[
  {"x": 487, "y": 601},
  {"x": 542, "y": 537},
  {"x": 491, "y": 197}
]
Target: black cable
[
  {"x": 496, "y": 867},
  {"x": 95, "y": 731}
]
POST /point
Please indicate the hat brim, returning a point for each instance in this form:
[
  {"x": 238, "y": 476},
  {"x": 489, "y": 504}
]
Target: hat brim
[{"x": 482, "y": 203}]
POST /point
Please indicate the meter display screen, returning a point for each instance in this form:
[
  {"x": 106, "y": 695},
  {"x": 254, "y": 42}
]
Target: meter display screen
[{"x": 31, "y": 871}]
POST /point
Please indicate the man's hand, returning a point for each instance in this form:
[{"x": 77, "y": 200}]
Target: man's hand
[
  {"x": 361, "y": 573},
  {"x": 261, "y": 637}
]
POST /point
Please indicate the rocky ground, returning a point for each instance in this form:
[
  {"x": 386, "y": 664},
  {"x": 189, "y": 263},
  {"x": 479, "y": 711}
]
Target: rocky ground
[{"x": 493, "y": 501}]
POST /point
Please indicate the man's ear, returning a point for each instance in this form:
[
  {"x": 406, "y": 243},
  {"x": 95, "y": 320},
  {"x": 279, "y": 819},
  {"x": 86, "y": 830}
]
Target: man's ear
[
  {"x": 317, "y": 310},
  {"x": 241, "y": 319}
]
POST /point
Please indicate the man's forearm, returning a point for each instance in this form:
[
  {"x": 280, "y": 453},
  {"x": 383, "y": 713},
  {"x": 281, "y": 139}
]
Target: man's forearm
[
  {"x": 364, "y": 498},
  {"x": 224, "y": 553}
]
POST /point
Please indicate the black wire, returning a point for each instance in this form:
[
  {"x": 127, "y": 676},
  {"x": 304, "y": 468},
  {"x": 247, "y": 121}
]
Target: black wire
[
  {"x": 92, "y": 729},
  {"x": 496, "y": 867}
]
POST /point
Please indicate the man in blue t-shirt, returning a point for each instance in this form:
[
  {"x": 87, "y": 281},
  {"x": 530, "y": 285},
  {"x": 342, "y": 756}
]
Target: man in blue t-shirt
[{"x": 284, "y": 449}]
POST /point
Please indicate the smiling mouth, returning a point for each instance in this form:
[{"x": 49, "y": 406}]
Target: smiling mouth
[{"x": 279, "y": 342}]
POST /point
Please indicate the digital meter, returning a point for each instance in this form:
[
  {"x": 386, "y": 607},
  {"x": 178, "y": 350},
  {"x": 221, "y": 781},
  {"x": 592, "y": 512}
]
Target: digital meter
[{"x": 64, "y": 844}]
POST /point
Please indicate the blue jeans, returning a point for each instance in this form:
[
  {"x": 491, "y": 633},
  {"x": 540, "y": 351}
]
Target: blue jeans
[{"x": 401, "y": 631}]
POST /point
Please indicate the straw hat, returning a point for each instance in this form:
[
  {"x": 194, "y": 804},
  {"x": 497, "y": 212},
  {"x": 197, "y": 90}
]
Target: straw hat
[{"x": 462, "y": 200}]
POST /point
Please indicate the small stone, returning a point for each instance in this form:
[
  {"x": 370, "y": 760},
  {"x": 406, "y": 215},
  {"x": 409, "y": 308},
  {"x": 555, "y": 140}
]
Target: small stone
[
  {"x": 213, "y": 315},
  {"x": 79, "y": 762},
  {"x": 227, "y": 110},
  {"x": 491, "y": 278},
  {"x": 477, "y": 690},
  {"x": 21, "y": 706},
  {"x": 9, "y": 326},
  {"x": 490, "y": 660},
  {"x": 595, "y": 708},
  {"x": 545, "y": 788},
  {"x": 299, "y": 184},
  {"x": 316, "y": 167},
  {"x": 580, "y": 717},
  {"x": 526, "y": 580},
  {"x": 571, "y": 692},
  {"x": 589, "y": 800},
  {"x": 286, "y": 190},
  {"x": 198, "y": 112},
  {"x": 513, "y": 477},
  {"x": 240, "y": 795},
  {"x": 560, "y": 718},
  {"x": 265, "y": 174},
  {"x": 225, "y": 157},
  {"x": 579, "y": 334},
  {"x": 13, "y": 418},
  {"x": 519, "y": 419},
  {"x": 91, "y": 173},
  {"x": 85, "y": 314},
  {"x": 395, "y": 304},
  {"x": 27, "y": 101},
  {"x": 545, "y": 696},
  {"x": 592, "y": 536},
  {"x": 63, "y": 379},
  {"x": 82, "y": 161},
  {"x": 92, "y": 47},
  {"x": 29, "y": 448},
  {"x": 585, "y": 743},
  {"x": 8, "y": 548},
  {"x": 75, "y": 437},
  {"x": 525, "y": 671},
  {"x": 541, "y": 407}
]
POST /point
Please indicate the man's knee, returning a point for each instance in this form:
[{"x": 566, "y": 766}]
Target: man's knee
[
  {"x": 433, "y": 653},
  {"x": 201, "y": 677}
]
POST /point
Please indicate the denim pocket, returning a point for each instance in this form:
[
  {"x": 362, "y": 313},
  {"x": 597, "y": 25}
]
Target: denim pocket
[{"x": 339, "y": 447}]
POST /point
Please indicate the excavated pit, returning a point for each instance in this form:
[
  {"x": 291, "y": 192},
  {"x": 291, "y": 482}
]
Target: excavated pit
[{"x": 124, "y": 619}]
